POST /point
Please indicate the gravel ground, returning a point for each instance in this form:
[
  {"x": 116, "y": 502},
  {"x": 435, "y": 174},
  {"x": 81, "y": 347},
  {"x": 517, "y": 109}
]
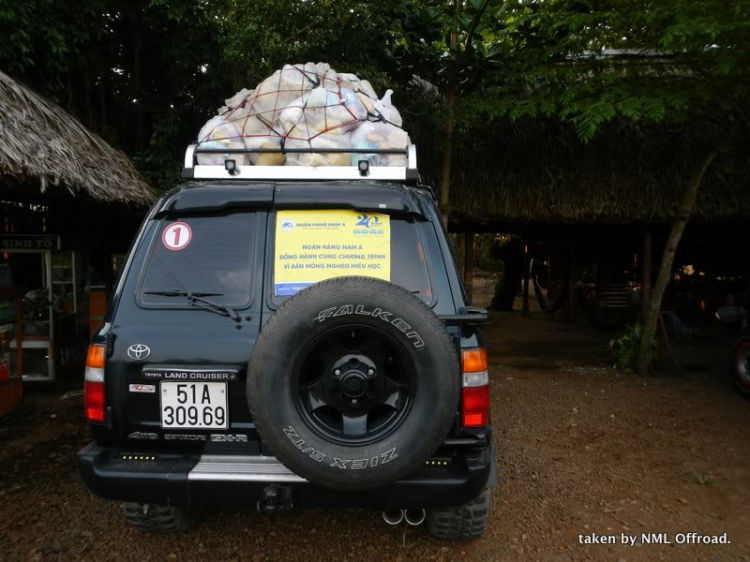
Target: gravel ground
[{"x": 580, "y": 450}]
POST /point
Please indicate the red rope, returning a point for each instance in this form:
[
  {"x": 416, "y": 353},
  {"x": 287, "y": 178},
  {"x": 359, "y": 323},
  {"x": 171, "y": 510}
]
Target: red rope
[{"x": 315, "y": 80}]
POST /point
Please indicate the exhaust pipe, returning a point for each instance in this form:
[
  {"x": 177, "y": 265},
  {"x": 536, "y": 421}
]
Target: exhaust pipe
[
  {"x": 415, "y": 516},
  {"x": 393, "y": 516}
]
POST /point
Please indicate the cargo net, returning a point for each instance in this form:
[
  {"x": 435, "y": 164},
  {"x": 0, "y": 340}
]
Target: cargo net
[{"x": 310, "y": 107}]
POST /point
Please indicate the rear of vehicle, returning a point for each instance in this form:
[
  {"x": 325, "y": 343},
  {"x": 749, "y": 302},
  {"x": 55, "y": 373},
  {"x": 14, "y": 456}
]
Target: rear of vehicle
[{"x": 285, "y": 345}]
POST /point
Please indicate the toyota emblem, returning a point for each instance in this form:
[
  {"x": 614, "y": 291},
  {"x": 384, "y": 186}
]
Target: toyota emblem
[{"x": 139, "y": 351}]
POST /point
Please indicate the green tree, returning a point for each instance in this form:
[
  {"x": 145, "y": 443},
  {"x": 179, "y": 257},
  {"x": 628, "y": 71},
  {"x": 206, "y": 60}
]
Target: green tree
[
  {"x": 262, "y": 36},
  {"x": 590, "y": 62},
  {"x": 144, "y": 74},
  {"x": 46, "y": 42},
  {"x": 452, "y": 45}
]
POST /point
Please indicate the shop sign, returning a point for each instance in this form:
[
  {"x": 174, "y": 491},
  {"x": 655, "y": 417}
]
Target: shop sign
[{"x": 10, "y": 242}]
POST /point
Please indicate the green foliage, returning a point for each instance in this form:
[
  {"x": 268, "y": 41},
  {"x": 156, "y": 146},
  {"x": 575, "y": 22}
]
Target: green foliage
[
  {"x": 43, "y": 40},
  {"x": 260, "y": 37},
  {"x": 147, "y": 73},
  {"x": 451, "y": 44},
  {"x": 592, "y": 62},
  {"x": 624, "y": 350},
  {"x": 129, "y": 70},
  {"x": 160, "y": 162}
]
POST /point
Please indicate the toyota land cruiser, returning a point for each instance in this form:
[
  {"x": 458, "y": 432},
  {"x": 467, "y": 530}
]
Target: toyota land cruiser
[{"x": 286, "y": 338}]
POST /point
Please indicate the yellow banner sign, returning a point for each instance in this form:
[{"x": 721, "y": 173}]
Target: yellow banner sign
[{"x": 313, "y": 246}]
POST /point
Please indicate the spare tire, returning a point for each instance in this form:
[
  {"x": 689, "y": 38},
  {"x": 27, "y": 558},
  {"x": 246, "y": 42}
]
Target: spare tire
[{"x": 353, "y": 383}]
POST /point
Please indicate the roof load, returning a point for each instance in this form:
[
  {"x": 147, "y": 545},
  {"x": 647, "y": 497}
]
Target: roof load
[{"x": 364, "y": 170}]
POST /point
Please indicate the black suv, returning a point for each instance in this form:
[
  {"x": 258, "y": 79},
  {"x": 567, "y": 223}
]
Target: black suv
[{"x": 288, "y": 343}]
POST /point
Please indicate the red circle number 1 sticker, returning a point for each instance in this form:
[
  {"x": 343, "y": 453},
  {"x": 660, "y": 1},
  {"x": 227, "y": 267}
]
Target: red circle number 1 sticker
[{"x": 177, "y": 236}]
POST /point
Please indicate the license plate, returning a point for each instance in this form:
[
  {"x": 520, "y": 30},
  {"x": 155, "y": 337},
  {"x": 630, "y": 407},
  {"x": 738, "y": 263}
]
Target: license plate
[{"x": 194, "y": 405}]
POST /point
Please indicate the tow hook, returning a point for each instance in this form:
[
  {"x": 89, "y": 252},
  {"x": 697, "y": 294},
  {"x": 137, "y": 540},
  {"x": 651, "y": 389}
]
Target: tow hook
[{"x": 275, "y": 498}]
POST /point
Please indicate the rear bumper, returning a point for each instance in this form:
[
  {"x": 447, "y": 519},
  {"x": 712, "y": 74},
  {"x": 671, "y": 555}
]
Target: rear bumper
[{"x": 243, "y": 481}]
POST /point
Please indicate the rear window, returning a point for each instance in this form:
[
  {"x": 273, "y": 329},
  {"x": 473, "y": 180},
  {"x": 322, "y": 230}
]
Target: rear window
[
  {"x": 206, "y": 254},
  {"x": 314, "y": 245},
  {"x": 409, "y": 265}
]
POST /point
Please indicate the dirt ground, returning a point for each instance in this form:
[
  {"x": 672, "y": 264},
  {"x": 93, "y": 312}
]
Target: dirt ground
[{"x": 581, "y": 449}]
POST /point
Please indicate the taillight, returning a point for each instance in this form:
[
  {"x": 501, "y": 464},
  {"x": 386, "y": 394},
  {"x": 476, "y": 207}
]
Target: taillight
[
  {"x": 93, "y": 384},
  {"x": 475, "y": 400}
]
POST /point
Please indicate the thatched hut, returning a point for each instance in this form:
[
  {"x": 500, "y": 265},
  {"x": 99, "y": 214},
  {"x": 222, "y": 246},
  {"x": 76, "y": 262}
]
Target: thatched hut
[
  {"x": 69, "y": 205},
  {"x": 539, "y": 172},
  {"x": 41, "y": 144},
  {"x": 612, "y": 199}
]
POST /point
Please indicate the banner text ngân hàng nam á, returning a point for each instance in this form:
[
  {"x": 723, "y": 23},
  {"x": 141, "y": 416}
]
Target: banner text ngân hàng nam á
[{"x": 313, "y": 246}]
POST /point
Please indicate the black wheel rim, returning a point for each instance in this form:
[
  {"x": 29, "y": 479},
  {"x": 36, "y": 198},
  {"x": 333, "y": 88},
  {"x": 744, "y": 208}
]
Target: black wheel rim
[{"x": 353, "y": 384}]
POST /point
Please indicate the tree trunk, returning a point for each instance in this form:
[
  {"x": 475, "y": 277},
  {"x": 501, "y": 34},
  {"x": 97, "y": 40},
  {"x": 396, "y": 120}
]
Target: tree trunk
[
  {"x": 445, "y": 178},
  {"x": 646, "y": 272},
  {"x": 71, "y": 94},
  {"x": 87, "y": 96},
  {"x": 526, "y": 276},
  {"x": 665, "y": 269},
  {"x": 137, "y": 90},
  {"x": 103, "y": 128}
]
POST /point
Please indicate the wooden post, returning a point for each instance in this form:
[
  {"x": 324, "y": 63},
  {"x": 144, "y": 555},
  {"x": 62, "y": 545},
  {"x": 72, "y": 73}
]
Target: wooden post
[
  {"x": 469, "y": 263},
  {"x": 572, "y": 281},
  {"x": 109, "y": 275},
  {"x": 646, "y": 269},
  {"x": 19, "y": 333},
  {"x": 709, "y": 303},
  {"x": 526, "y": 275},
  {"x": 549, "y": 279}
]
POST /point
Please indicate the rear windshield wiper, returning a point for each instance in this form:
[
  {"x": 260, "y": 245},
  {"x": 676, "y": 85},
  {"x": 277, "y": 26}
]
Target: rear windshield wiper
[
  {"x": 197, "y": 300},
  {"x": 182, "y": 293}
]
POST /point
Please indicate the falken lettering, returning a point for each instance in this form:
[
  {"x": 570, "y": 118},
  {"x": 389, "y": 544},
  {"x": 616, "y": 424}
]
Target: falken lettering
[{"x": 384, "y": 315}]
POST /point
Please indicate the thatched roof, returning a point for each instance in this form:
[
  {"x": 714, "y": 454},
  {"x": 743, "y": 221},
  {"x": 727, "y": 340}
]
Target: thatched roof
[
  {"x": 540, "y": 172},
  {"x": 39, "y": 140}
]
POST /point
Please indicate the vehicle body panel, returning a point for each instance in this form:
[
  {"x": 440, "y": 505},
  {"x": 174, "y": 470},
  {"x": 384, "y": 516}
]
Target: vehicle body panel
[{"x": 183, "y": 338}]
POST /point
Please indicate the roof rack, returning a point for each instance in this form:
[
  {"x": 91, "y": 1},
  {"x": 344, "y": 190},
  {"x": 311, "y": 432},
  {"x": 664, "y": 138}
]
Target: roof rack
[{"x": 363, "y": 171}]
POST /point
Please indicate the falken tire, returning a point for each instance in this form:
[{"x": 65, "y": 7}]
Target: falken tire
[
  {"x": 422, "y": 348},
  {"x": 461, "y": 523}
]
